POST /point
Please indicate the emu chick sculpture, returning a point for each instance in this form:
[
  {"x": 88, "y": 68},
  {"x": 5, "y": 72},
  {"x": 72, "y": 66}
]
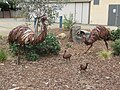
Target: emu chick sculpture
[{"x": 67, "y": 55}]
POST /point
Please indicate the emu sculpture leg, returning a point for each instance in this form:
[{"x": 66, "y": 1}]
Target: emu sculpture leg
[
  {"x": 88, "y": 49},
  {"x": 106, "y": 44},
  {"x": 18, "y": 60}
]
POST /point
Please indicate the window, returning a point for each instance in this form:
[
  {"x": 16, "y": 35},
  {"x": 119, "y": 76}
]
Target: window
[{"x": 96, "y": 2}]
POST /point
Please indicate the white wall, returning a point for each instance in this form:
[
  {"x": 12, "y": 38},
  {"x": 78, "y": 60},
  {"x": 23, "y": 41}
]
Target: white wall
[{"x": 80, "y": 12}]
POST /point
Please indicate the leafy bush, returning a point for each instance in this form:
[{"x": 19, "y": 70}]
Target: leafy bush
[
  {"x": 32, "y": 52},
  {"x": 14, "y": 48},
  {"x": 3, "y": 55},
  {"x": 68, "y": 22},
  {"x": 116, "y": 47},
  {"x": 115, "y": 34},
  {"x": 32, "y": 56}
]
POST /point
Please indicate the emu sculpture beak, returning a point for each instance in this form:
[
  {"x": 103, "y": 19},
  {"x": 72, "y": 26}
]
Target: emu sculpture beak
[{"x": 47, "y": 22}]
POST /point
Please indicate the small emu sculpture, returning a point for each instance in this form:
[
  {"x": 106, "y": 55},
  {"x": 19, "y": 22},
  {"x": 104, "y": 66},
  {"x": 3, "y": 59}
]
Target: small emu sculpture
[
  {"x": 100, "y": 32},
  {"x": 83, "y": 67},
  {"x": 67, "y": 55}
]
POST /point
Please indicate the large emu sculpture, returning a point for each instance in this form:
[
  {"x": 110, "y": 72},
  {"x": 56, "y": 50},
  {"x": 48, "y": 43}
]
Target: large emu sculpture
[
  {"x": 24, "y": 35},
  {"x": 100, "y": 32}
]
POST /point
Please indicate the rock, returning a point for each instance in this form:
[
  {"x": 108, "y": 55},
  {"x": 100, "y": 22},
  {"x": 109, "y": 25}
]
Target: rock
[
  {"x": 14, "y": 85},
  {"x": 88, "y": 87},
  {"x": 67, "y": 86},
  {"x": 107, "y": 77},
  {"x": 16, "y": 88},
  {"x": 2, "y": 64},
  {"x": 113, "y": 65},
  {"x": 61, "y": 36}
]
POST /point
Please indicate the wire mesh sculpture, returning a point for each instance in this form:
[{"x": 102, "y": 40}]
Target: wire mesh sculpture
[
  {"x": 24, "y": 35},
  {"x": 100, "y": 32}
]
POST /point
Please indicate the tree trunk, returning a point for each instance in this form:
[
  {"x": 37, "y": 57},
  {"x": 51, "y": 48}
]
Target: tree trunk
[{"x": 70, "y": 37}]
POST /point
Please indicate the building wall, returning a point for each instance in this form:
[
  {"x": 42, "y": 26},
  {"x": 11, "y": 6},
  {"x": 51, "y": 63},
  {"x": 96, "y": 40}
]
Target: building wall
[
  {"x": 99, "y": 13},
  {"x": 79, "y": 10}
]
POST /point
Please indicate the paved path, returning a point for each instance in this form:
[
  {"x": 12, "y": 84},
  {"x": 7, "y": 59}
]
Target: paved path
[{"x": 7, "y": 24}]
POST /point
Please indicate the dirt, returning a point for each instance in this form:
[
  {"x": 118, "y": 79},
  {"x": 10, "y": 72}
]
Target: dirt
[{"x": 55, "y": 73}]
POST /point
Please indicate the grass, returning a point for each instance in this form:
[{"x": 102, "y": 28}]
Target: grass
[
  {"x": 1, "y": 37},
  {"x": 105, "y": 54},
  {"x": 3, "y": 55}
]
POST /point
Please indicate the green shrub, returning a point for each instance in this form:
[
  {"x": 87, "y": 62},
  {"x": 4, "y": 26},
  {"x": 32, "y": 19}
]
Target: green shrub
[
  {"x": 3, "y": 55},
  {"x": 116, "y": 47},
  {"x": 68, "y": 22},
  {"x": 32, "y": 56},
  {"x": 32, "y": 52},
  {"x": 115, "y": 34},
  {"x": 14, "y": 48}
]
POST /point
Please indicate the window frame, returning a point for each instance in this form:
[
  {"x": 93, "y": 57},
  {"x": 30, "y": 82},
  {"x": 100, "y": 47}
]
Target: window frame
[{"x": 96, "y": 2}]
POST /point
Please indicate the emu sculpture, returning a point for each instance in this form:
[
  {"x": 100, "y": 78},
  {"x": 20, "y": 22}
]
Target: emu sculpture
[
  {"x": 24, "y": 35},
  {"x": 100, "y": 32}
]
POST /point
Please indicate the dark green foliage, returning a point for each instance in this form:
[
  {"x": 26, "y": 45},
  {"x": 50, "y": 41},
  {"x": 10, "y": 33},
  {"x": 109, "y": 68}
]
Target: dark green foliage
[
  {"x": 12, "y": 4},
  {"x": 4, "y": 6},
  {"x": 115, "y": 34},
  {"x": 116, "y": 47},
  {"x": 32, "y": 56},
  {"x": 14, "y": 48},
  {"x": 50, "y": 45},
  {"x": 3, "y": 55},
  {"x": 32, "y": 52}
]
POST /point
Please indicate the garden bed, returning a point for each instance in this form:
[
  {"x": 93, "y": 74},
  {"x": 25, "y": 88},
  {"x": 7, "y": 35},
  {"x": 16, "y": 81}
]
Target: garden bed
[{"x": 54, "y": 73}]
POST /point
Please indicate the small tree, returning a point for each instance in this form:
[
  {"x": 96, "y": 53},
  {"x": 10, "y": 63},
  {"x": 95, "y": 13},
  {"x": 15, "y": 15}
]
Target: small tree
[
  {"x": 39, "y": 8},
  {"x": 68, "y": 22}
]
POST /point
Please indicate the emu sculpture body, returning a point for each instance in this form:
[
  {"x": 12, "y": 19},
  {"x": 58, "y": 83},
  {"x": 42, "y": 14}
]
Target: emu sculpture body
[
  {"x": 100, "y": 32},
  {"x": 24, "y": 35}
]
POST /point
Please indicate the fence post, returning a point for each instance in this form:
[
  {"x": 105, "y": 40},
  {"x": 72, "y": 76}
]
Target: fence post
[{"x": 60, "y": 23}]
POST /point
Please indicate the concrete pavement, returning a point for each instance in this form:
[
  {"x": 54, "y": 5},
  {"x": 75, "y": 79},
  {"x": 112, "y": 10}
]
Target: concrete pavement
[{"x": 7, "y": 24}]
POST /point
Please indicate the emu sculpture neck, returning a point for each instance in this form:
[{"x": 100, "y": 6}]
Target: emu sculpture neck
[
  {"x": 64, "y": 54},
  {"x": 90, "y": 40},
  {"x": 41, "y": 37}
]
